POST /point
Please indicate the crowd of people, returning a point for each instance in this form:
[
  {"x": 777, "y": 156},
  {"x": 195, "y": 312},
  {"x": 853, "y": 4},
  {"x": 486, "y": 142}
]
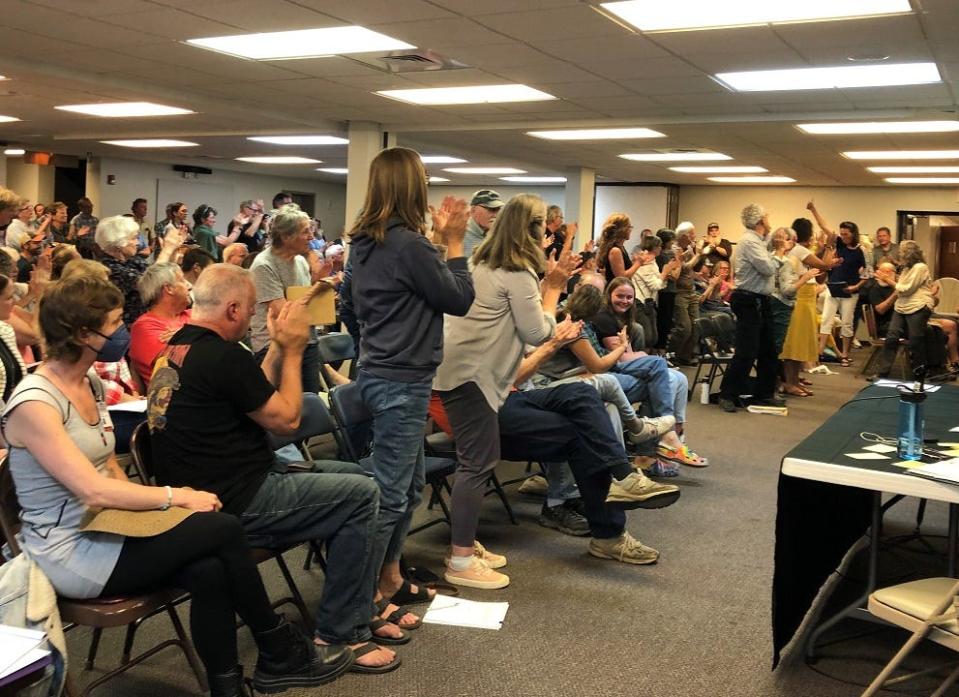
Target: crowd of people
[{"x": 475, "y": 316}]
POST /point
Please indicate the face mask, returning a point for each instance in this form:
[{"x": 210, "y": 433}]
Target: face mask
[{"x": 116, "y": 345}]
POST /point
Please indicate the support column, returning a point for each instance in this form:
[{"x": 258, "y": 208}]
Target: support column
[
  {"x": 366, "y": 140},
  {"x": 580, "y": 192},
  {"x": 3, "y": 171},
  {"x": 92, "y": 190}
]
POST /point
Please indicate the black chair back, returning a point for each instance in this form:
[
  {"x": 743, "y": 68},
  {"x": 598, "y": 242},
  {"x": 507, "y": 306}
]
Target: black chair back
[
  {"x": 141, "y": 450},
  {"x": 354, "y": 420},
  {"x": 9, "y": 509},
  {"x": 335, "y": 347}
]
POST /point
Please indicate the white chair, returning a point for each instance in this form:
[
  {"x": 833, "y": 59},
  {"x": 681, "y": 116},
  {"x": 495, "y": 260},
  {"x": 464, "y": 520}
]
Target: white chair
[
  {"x": 948, "y": 296},
  {"x": 927, "y": 608}
]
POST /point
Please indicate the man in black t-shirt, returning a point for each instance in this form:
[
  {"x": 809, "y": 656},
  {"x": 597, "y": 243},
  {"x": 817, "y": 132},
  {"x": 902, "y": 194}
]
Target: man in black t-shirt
[
  {"x": 882, "y": 297},
  {"x": 210, "y": 407}
]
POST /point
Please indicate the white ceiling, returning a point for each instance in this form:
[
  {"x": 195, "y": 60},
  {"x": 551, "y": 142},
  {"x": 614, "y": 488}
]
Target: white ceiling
[{"x": 74, "y": 51}]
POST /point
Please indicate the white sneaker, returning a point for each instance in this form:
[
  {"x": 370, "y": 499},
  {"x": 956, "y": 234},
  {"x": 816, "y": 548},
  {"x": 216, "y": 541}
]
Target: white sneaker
[
  {"x": 651, "y": 428},
  {"x": 477, "y": 575}
]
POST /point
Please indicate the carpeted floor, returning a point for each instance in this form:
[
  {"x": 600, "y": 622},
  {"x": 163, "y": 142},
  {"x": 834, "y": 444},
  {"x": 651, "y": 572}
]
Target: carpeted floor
[{"x": 697, "y": 623}]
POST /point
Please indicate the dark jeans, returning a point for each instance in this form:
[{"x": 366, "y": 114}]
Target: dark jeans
[
  {"x": 568, "y": 422},
  {"x": 755, "y": 344},
  {"x": 124, "y": 423},
  {"x": 682, "y": 341},
  {"x": 310, "y": 367},
  {"x": 476, "y": 432},
  {"x": 335, "y": 503},
  {"x": 914, "y": 326},
  {"x": 207, "y": 555},
  {"x": 397, "y": 461},
  {"x": 666, "y": 304}
]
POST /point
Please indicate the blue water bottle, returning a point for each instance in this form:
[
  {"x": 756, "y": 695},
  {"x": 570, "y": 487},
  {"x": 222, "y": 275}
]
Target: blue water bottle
[{"x": 911, "y": 423}]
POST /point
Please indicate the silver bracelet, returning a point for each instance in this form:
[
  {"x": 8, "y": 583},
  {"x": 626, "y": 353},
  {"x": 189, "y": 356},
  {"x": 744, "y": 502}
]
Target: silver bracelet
[{"x": 169, "y": 499}]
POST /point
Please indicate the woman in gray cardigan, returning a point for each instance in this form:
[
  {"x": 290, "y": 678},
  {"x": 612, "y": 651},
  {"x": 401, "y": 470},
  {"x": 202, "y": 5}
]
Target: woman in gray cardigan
[{"x": 482, "y": 352}]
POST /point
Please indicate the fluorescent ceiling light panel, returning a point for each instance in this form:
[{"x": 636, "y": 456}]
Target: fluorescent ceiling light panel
[
  {"x": 731, "y": 169},
  {"x": 935, "y": 169},
  {"x": 674, "y": 156},
  {"x": 301, "y": 43},
  {"x": 8, "y": 119},
  {"x": 752, "y": 180},
  {"x": 484, "y": 170},
  {"x": 684, "y": 15},
  {"x": 437, "y": 180},
  {"x": 14, "y": 151},
  {"x": 333, "y": 170},
  {"x": 124, "y": 109},
  {"x": 441, "y": 160},
  {"x": 597, "y": 134},
  {"x": 300, "y": 140},
  {"x": 840, "y": 77},
  {"x": 923, "y": 180},
  {"x": 468, "y": 94},
  {"x": 534, "y": 180},
  {"x": 150, "y": 143},
  {"x": 902, "y": 154},
  {"x": 280, "y": 160},
  {"x": 879, "y": 127}
]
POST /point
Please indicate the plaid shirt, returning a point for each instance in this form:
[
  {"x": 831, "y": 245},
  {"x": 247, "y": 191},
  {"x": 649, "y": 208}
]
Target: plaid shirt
[
  {"x": 590, "y": 333},
  {"x": 116, "y": 380}
]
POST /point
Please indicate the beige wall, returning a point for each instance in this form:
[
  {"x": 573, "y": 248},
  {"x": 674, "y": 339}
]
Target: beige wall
[
  {"x": 33, "y": 182},
  {"x": 870, "y": 208}
]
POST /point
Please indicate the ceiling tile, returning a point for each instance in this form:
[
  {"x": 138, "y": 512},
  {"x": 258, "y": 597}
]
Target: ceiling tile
[
  {"x": 442, "y": 34},
  {"x": 257, "y": 16},
  {"x": 96, "y": 8},
  {"x": 469, "y": 7},
  {"x": 170, "y": 23},
  {"x": 560, "y": 23},
  {"x": 592, "y": 88},
  {"x": 368, "y": 11},
  {"x": 646, "y": 68},
  {"x": 666, "y": 86}
]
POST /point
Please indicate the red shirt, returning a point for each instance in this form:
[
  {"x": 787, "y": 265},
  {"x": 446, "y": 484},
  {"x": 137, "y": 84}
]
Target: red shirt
[{"x": 148, "y": 337}]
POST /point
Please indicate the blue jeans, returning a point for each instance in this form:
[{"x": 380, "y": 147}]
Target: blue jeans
[
  {"x": 646, "y": 379},
  {"x": 397, "y": 462},
  {"x": 336, "y": 503}
]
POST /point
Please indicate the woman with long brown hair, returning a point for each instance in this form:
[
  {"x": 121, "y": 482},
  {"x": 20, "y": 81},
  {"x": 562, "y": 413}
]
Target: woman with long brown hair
[
  {"x": 401, "y": 288},
  {"x": 483, "y": 353},
  {"x": 612, "y": 253}
]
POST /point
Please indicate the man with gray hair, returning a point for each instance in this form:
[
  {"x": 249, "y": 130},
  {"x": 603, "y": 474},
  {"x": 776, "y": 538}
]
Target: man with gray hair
[
  {"x": 210, "y": 410},
  {"x": 165, "y": 291},
  {"x": 484, "y": 206},
  {"x": 755, "y": 273}
]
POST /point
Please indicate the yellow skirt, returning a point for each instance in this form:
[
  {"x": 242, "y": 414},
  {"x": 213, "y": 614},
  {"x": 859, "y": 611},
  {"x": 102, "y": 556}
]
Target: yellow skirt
[{"x": 801, "y": 342}]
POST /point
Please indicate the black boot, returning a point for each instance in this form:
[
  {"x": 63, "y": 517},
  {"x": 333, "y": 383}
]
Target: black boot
[
  {"x": 289, "y": 658},
  {"x": 228, "y": 684}
]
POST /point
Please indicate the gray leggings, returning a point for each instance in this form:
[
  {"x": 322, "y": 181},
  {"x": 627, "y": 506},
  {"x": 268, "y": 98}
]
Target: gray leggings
[{"x": 476, "y": 432}]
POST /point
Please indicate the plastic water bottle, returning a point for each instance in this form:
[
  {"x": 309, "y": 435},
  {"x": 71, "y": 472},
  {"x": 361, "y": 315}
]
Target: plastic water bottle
[
  {"x": 704, "y": 391},
  {"x": 911, "y": 423}
]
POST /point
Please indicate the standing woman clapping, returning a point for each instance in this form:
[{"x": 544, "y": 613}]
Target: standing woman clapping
[{"x": 482, "y": 354}]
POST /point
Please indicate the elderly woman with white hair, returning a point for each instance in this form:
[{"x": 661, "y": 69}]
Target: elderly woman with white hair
[
  {"x": 280, "y": 266},
  {"x": 755, "y": 271},
  {"x": 682, "y": 339},
  {"x": 118, "y": 237}
]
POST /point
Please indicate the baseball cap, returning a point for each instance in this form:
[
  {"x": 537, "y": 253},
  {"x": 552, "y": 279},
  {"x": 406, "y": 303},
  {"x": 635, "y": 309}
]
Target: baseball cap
[
  {"x": 487, "y": 198},
  {"x": 712, "y": 225}
]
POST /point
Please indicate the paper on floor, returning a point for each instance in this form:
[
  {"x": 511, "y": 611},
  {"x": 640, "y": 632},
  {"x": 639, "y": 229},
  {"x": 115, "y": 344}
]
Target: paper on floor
[
  {"x": 881, "y": 448},
  {"x": 460, "y": 612},
  {"x": 867, "y": 456}
]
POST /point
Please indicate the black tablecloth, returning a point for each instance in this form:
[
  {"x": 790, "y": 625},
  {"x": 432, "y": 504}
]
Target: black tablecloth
[{"x": 816, "y": 522}]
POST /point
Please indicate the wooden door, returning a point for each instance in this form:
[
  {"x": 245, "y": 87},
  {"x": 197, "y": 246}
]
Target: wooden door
[{"x": 948, "y": 252}]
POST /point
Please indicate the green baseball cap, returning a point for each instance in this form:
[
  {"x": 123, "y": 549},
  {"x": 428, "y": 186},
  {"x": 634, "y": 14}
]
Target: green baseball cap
[{"x": 487, "y": 198}]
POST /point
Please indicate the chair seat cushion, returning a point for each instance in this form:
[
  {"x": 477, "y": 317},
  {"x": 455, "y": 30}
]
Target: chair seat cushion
[
  {"x": 918, "y": 599},
  {"x": 115, "y": 611},
  {"x": 439, "y": 466}
]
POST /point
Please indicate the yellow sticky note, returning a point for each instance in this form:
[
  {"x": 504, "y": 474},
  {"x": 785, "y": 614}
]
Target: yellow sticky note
[{"x": 907, "y": 464}]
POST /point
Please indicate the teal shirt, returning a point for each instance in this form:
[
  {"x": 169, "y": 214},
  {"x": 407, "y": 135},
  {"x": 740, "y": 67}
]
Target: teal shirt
[{"x": 206, "y": 238}]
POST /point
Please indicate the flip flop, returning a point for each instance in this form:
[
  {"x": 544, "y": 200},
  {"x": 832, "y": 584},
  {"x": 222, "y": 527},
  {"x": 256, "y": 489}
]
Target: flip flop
[
  {"x": 405, "y": 596},
  {"x": 396, "y": 615},
  {"x": 681, "y": 456},
  {"x": 370, "y": 647},
  {"x": 377, "y": 623}
]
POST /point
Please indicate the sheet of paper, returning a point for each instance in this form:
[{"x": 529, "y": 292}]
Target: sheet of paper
[
  {"x": 460, "y": 612},
  {"x": 954, "y": 430},
  {"x": 881, "y": 448},
  {"x": 905, "y": 383},
  {"x": 867, "y": 456},
  {"x": 943, "y": 471},
  {"x": 953, "y": 446},
  {"x": 15, "y": 644},
  {"x": 137, "y": 406}
]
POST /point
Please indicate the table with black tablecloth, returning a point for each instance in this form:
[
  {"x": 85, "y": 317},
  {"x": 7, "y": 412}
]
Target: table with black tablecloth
[{"x": 827, "y": 501}]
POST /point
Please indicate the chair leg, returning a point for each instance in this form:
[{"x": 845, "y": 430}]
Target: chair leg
[
  {"x": 438, "y": 491},
  {"x": 294, "y": 591},
  {"x": 906, "y": 649},
  {"x": 128, "y": 640},
  {"x": 498, "y": 488},
  {"x": 94, "y": 645},
  {"x": 188, "y": 650},
  {"x": 947, "y": 683}
]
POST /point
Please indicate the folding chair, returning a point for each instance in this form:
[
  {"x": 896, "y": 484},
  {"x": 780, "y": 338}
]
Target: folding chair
[
  {"x": 709, "y": 327},
  {"x": 142, "y": 452},
  {"x": 104, "y": 613},
  {"x": 927, "y": 608},
  {"x": 335, "y": 348}
]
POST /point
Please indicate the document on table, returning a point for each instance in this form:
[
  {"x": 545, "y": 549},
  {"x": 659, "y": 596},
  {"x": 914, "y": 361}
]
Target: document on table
[
  {"x": 19, "y": 648},
  {"x": 137, "y": 406},
  {"x": 905, "y": 383},
  {"x": 459, "y": 612},
  {"x": 942, "y": 471},
  {"x": 881, "y": 448},
  {"x": 867, "y": 456}
]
